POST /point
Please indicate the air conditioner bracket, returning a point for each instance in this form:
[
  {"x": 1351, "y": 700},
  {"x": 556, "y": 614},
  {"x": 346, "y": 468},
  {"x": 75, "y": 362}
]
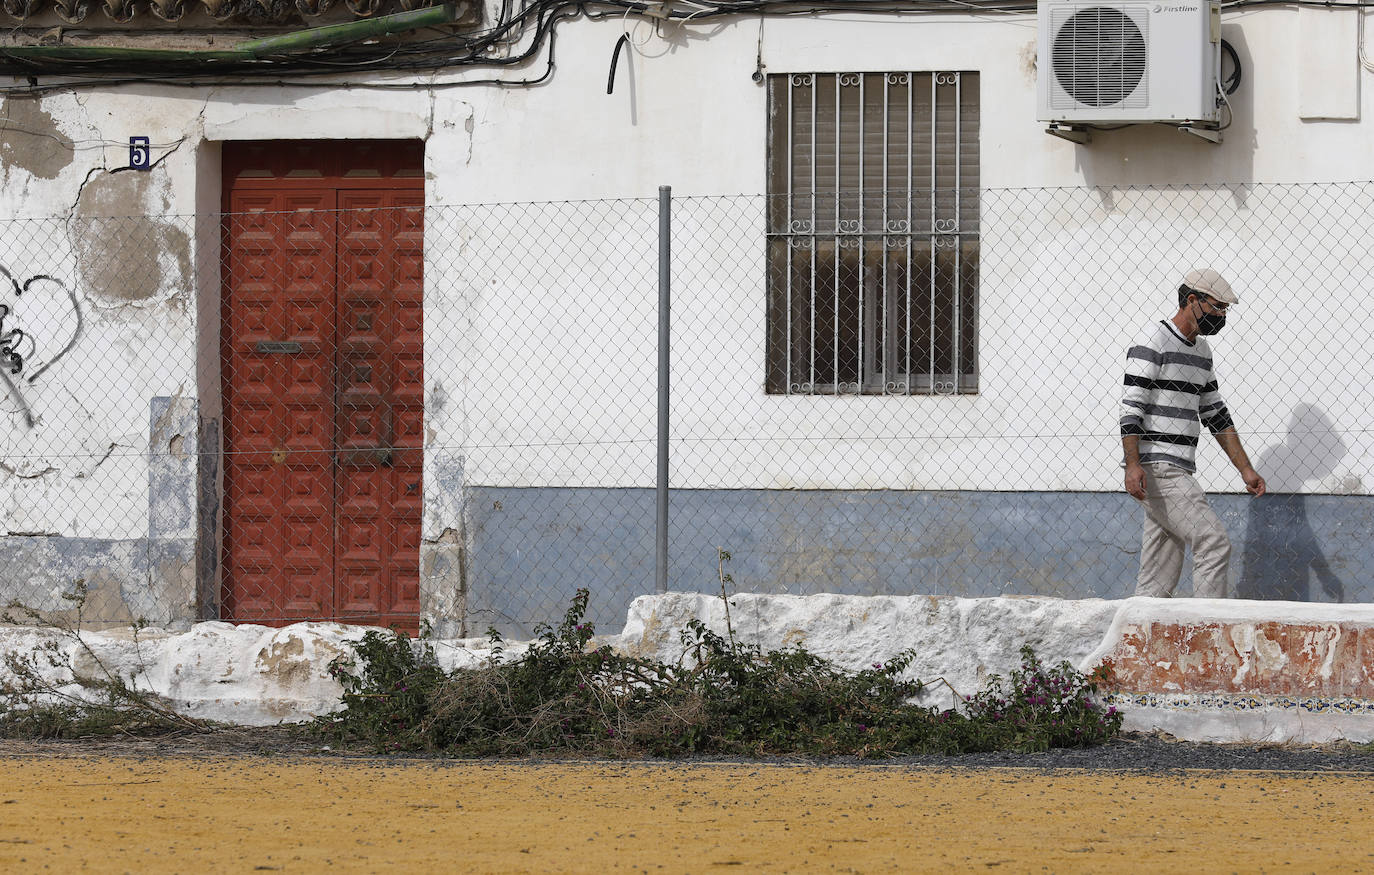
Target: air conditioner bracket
[
  {"x": 1073, "y": 133},
  {"x": 1212, "y": 135}
]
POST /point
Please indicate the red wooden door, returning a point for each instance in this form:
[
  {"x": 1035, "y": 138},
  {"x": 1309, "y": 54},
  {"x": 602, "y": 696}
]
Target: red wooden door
[{"x": 323, "y": 383}]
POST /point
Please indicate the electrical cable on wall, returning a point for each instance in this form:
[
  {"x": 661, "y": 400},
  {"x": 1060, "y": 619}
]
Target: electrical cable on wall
[
  {"x": 615, "y": 58},
  {"x": 519, "y": 36},
  {"x": 1359, "y": 37},
  {"x": 1232, "y": 82}
]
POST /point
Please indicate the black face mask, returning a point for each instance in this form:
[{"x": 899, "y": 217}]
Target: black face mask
[{"x": 1209, "y": 323}]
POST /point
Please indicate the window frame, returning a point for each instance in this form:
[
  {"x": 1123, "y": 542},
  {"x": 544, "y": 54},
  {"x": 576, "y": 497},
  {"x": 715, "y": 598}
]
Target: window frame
[{"x": 944, "y": 228}]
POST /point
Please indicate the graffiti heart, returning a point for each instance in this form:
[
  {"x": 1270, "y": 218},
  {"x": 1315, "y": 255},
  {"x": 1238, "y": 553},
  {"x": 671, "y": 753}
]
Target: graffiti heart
[{"x": 40, "y": 322}]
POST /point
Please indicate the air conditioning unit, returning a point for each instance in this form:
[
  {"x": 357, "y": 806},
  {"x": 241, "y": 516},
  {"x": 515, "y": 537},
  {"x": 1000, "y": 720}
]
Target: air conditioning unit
[{"x": 1129, "y": 63}]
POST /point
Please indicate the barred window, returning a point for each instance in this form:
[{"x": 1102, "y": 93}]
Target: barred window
[{"x": 873, "y": 233}]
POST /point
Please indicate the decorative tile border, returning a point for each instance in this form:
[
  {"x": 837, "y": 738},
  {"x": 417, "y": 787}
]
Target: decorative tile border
[{"x": 1240, "y": 702}]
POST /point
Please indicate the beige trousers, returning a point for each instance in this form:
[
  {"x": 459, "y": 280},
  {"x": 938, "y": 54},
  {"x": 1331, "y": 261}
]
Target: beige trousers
[{"x": 1177, "y": 516}]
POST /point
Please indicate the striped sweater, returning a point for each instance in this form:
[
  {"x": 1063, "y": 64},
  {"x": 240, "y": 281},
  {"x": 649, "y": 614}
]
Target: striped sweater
[{"x": 1169, "y": 389}]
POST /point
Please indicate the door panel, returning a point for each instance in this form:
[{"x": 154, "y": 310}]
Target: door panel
[
  {"x": 408, "y": 395},
  {"x": 323, "y": 386},
  {"x": 279, "y": 491},
  {"x": 380, "y": 387}
]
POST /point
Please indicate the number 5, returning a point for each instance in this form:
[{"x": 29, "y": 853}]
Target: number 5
[{"x": 139, "y": 156}]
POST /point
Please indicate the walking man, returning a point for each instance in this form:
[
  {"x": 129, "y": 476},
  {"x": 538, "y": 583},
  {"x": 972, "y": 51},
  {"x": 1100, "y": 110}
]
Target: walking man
[{"x": 1170, "y": 388}]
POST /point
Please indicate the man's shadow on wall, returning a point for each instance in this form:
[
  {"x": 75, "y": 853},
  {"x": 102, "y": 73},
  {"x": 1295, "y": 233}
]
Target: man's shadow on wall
[{"x": 1281, "y": 551}]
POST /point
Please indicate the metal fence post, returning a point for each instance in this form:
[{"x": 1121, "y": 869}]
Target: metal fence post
[{"x": 665, "y": 237}]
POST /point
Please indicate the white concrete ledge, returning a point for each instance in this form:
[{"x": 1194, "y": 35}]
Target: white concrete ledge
[
  {"x": 1199, "y": 669},
  {"x": 962, "y": 640}
]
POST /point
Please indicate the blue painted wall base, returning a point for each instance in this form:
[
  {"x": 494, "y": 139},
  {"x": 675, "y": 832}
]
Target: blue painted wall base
[{"x": 531, "y": 548}]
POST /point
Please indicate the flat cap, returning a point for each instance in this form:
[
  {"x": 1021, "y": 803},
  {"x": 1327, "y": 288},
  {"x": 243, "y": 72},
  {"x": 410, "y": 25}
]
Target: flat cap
[{"x": 1210, "y": 283}]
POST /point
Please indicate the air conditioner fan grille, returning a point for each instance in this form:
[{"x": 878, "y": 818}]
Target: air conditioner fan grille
[{"x": 1098, "y": 58}]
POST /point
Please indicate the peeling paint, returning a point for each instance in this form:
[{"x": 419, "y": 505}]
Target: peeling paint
[
  {"x": 1259, "y": 656},
  {"x": 650, "y": 636},
  {"x": 1269, "y": 655},
  {"x": 284, "y": 662},
  {"x": 172, "y": 582},
  {"x": 443, "y": 582},
  {"x": 448, "y": 536},
  {"x": 167, "y": 419},
  {"x": 124, "y": 251},
  {"x": 150, "y": 574},
  {"x": 469, "y": 126},
  {"x": 31, "y": 141},
  {"x": 104, "y": 607},
  {"x": 1332, "y": 634}
]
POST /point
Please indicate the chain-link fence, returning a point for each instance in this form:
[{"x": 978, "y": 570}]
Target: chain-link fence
[{"x": 382, "y": 412}]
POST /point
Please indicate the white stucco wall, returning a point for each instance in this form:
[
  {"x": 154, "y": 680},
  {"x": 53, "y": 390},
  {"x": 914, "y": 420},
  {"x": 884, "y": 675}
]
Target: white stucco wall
[
  {"x": 531, "y": 344},
  {"x": 1057, "y": 310}
]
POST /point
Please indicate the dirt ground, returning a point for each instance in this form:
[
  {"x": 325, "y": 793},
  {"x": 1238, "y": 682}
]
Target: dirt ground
[{"x": 107, "y": 811}]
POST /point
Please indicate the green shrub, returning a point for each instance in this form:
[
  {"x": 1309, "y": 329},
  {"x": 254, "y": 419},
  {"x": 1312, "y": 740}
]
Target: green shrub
[
  {"x": 564, "y": 697},
  {"x": 1040, "y": 708}
]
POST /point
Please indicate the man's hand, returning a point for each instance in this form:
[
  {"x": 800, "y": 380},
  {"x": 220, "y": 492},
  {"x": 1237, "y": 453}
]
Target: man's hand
[
  {"x": 1230, "y": 442},
  {"x": 1135, "y": 480}
]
